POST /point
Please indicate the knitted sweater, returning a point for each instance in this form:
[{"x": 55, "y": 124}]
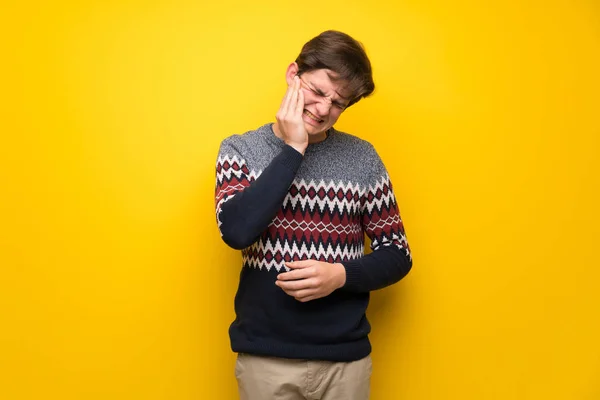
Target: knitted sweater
[{"x": 276, "y": 206}]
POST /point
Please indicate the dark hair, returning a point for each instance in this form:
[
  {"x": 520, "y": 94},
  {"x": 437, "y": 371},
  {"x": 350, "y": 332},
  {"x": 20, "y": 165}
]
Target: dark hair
[{"x": 343, "y": 55}]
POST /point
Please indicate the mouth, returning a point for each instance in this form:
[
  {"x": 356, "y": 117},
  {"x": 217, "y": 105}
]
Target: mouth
[{"x": 312, "y": 116}]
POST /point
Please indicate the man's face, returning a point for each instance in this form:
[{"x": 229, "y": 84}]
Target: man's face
[{"x": 324, "y": 100}]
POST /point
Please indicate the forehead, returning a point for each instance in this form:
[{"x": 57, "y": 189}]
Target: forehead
[{"x": 327, "y": 81}]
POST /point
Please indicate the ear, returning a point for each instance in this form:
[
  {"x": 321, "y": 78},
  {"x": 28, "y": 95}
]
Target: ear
[{"x": 292, "y": 71}]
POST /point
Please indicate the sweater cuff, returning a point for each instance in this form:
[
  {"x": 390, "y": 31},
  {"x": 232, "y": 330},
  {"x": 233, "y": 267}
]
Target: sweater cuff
[
  {"x": 353, "y": 280},
  {"x": 290, "y": 158}
]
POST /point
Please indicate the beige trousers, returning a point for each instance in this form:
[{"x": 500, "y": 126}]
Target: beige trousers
[{"x": 270, "y": 378}]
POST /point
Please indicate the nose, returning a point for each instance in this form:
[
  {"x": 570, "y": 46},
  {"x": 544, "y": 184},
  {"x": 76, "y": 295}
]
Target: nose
[{"x": 323, "y": 107}]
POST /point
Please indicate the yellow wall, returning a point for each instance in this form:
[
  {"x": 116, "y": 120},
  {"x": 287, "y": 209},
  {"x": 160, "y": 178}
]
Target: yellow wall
[{"x": 114, "y": 283}]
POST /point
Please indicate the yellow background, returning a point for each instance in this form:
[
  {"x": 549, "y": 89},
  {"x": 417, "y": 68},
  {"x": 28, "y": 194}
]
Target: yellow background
[{"x": 114, "y": 283}]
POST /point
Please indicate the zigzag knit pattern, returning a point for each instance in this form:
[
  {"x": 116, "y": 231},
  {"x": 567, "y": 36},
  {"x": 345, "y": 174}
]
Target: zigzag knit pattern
[
  {"x": 232, "y": 177},
  {"x": 323, "y": 221}
]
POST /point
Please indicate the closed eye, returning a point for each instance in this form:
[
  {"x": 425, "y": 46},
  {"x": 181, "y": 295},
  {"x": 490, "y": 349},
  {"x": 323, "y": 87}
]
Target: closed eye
[{"x": 319, "y": 92}]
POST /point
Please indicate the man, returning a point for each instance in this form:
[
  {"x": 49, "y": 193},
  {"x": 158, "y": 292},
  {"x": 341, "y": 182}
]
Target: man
[{"x": 297, "y": 197}]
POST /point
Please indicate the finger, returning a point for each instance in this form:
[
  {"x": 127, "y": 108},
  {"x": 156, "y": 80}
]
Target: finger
[
  {"x": 294, "y": 274},
  {"x": 286, "y": 98},
  {"x": 291, "y": 106},
  {"x": 299, "y": 294},
  {"x": 306, "y": 295},
  {"x": 306, "y": 299},
  {"x": 300, "y": 103},
  {"x": 300, "y": 264},
  {"x": 296, "y": 285}
]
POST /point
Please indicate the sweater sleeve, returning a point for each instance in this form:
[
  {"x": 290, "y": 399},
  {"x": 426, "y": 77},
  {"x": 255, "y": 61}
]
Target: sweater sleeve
[
  {"x": 245, "y": 205},
  {"x": 391, "y": 258}
]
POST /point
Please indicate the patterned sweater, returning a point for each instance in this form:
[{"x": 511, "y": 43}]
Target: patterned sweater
[{"x": 276, "y": 206}]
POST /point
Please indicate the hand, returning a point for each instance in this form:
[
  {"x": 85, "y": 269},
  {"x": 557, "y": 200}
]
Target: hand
[
  {"x": 289, "y": 117},
  {"x": 311, "y": 279}
]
